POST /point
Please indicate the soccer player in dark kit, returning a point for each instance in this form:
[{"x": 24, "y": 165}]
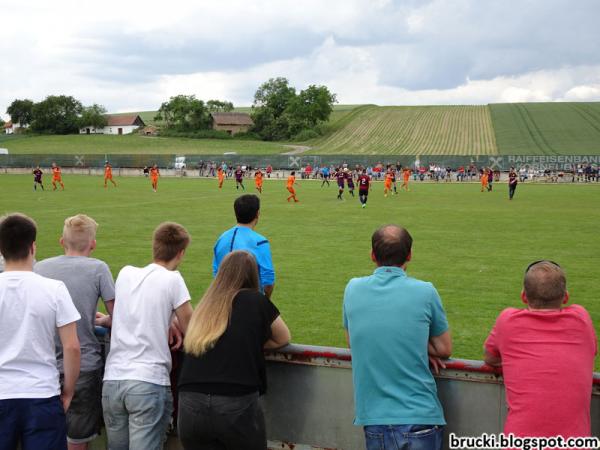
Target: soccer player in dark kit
[
  {"x": 340, "y": 176},
  {"x": 513, "y": 179},
  {"x": 239, "y": 178},
  {"x": 37, "y": 178},
  {"x": 350, "y": 181},
  {"x": 364, "y": 184}
]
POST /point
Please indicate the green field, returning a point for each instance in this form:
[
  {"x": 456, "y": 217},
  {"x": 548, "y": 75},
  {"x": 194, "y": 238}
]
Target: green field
[
  {"x": 473, "y": 246},
  {"x": 134, "y": 143},
  {"x": 547, "y": 128},
  {"x": 412, "y": 130}
]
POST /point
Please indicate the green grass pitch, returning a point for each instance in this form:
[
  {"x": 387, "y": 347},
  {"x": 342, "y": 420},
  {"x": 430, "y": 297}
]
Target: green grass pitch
[{"x": 473, "y": 246}]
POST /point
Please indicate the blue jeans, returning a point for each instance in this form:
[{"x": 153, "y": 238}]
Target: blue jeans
[
  {"x": 38, "y": 423},
  {"x": 404, "y": 437},
  {"x": 136, "y": 414}
]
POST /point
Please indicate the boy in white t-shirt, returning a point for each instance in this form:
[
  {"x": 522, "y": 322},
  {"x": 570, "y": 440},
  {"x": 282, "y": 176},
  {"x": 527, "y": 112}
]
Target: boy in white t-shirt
[
  {"x": 136, "y": 396},
  {"x": 32, "y": 309}
]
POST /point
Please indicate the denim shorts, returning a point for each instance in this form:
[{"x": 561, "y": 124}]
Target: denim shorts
[
  {"x": 404, "y": 437},
  {"x": 137, "y": 414}
]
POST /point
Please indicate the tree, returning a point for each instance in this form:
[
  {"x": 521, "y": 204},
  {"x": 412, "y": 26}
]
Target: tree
[
  {"x": 57, "y": 114},
  {"x": 21, "y": 112},
  {"x": 270, "y": 102},
  {"x": 309, "y": 108},
  {"x": 185, "y": 113},
  {"x": 93, "y": 116},
  {"x": 279, "y": 113},
  {"x": 219, "y": 106}
]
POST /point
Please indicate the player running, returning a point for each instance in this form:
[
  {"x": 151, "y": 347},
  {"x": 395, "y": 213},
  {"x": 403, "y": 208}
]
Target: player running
[
  {"x": 57, "y": 177},
  {"x": 484, "y": 180},
  {"x": 108, "y": 174},
  {"x": 513, "y": 180},
  {"x": 387, "y": 184},
  {"x": 37, "y": 178},
  {"x": 258, "y": 180},
  {"x": 239, "y": 178},
  {"x": 394, "y": 184},
  {"x": 364, "y": 185},
  {"x": 154, "y": 174},
  {"x": 290, "y": 187},
  {"x": 220, "y": 176},
  {"x": 340, "y": 176},
  {"x": 350, "y": 180},
  {"x": 405, "y": 179}
]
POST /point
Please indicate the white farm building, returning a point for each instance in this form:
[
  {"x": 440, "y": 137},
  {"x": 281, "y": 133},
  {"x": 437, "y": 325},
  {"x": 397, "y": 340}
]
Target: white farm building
[{"x": 117, "y": 124}]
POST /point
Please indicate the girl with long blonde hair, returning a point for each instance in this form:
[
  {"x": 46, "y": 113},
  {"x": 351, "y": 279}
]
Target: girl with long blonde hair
[{"x": 223, "y": 369}]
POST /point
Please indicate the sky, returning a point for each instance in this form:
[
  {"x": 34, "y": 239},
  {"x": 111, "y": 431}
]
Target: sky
[{"x": 132, "y": 56}]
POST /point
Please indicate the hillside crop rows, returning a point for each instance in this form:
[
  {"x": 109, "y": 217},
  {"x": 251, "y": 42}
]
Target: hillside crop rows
[
  {"x": 416, "y": 130},
  {"x": 547, "y": 128}
]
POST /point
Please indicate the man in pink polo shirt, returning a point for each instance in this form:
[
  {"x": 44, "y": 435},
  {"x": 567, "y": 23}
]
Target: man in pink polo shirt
[{"x": 547, "y": 355}]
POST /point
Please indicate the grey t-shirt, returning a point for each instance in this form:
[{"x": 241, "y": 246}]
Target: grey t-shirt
[{"x": 87, "y": 279}]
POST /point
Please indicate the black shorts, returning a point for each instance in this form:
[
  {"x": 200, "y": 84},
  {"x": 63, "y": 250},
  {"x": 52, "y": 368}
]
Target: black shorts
[
  {"x": 361, "y": 192},
  {"x": 84, "y": 416}
]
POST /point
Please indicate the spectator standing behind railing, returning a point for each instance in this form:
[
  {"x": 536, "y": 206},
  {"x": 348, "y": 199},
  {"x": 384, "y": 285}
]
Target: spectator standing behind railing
[
  {"x": 136, "y": 396},
  {"x": 243, "y": 237},
  {"x": 87, "y": 279},
  {"x": 396, "y": 325},
  {"x": 547, "y": 356},
  {"x": 223, "y": 371},
  {"x": 32, "y": 310}
]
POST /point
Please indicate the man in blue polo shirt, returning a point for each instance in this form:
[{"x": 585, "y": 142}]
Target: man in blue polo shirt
[
  {"x": 243, "y": 237},
  {"x": 395, "y": 324}
]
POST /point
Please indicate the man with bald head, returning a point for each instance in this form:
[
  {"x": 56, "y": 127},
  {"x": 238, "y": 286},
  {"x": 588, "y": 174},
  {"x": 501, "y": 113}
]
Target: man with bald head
[
  {"x": 394, "y": 323},
  {"x": 546, "y": 351}
]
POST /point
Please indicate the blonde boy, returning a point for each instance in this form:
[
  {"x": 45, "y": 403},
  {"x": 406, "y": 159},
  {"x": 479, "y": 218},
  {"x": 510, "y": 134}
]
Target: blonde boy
[{"x": 86, "y": 279}]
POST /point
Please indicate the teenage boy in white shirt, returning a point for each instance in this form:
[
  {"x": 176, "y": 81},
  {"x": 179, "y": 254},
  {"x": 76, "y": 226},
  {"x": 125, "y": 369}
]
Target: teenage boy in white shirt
[
  {"x": 32, "y": 309},
  {"x": 136, "y": 396}
]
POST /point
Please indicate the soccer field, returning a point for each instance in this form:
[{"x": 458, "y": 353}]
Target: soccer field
[{"x": 473, "y": 246}]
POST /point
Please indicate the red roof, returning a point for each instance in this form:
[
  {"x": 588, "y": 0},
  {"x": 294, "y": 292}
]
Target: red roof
[
  {"x": 232, "y": 118},
  {"x": 123, "y": 120}
]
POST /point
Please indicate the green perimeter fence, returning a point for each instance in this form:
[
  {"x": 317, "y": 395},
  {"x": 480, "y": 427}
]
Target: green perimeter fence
[{"x": 190, "y": 162}]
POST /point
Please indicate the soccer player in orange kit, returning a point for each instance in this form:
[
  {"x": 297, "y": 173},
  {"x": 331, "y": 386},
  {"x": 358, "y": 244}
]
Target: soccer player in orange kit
[
  {"x": 108, "y": 174},
  {"x": 290, "y": 187}
]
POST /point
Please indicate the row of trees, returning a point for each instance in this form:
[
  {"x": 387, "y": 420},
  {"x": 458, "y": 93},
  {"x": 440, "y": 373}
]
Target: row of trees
[
  {"x": 57, "y": 114},
  {"x": 280, "y": 113}
]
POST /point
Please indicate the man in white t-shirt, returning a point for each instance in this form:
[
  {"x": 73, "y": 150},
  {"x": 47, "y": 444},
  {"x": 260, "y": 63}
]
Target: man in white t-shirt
[
  {"x": 136, "y": 396},
  {"x": 32, "y": 309}
]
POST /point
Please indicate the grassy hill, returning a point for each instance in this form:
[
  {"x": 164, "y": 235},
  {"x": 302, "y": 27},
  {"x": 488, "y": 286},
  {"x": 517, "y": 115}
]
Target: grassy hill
[
  {"x": 410, "y": 130},
  {"x": 519, "y": 128},
  {"x": 547, "y": 128}
]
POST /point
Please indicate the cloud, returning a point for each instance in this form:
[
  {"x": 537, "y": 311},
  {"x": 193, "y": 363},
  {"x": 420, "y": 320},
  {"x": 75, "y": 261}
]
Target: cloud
[{"x": 134, "y": 55}]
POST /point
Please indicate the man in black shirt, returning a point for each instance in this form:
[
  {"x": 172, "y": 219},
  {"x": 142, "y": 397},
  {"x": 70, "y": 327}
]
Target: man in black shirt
[{"x": 512, "y": 183}]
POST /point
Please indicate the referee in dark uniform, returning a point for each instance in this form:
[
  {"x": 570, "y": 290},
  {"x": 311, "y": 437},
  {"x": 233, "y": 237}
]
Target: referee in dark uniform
[{"x": 512, "y": 183}]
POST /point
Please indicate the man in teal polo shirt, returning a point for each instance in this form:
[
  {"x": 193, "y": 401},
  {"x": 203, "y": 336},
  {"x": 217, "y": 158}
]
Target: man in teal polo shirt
[{"x": 394, "y": 325}]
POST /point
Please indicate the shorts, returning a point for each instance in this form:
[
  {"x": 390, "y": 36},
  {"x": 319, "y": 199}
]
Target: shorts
[
  {"x": 84, "y": 416},
  {"x": 35, "y": 423},
  {"x": 341, "y": 186},
  {"x": 365, "y": 193}
]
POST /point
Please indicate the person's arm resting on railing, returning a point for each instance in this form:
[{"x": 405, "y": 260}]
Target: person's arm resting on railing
[{"x": 280, "y": 334}]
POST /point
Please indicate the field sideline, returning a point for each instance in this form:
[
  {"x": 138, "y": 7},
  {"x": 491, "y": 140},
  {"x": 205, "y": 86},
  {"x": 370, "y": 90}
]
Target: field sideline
[{"x": 473, "y": 246}]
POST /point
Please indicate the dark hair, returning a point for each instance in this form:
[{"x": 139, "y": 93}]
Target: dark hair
[
  {"x": 246, "y": 208},
  {"x": 168, "y": 240},
  {"x": 17, "y": 234},
  {"x": 391, "y": 245},
  {"x": 545, "y": 284}
]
